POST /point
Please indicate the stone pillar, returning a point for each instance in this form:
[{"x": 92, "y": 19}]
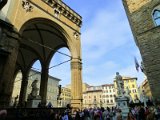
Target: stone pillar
[
  {"x": 44, "y": 84},
  {"x": 9, "y": 45},
  {"x": 76, "y": 84},
  {"x": 23, "y": 90}
]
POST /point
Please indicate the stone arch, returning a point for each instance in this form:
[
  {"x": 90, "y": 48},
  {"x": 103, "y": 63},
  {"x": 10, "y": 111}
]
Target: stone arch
[
  {"x": 69, "y": 41},
  {"x": 39, "y": 27},
  {"x": 68, "y": 27}
]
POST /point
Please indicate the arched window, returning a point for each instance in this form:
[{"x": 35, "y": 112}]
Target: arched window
[{"x": 156, "y": 17}]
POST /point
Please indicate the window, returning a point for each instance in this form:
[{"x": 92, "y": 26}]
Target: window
[
  {"x": 156, "y": 17},
  {"x": 131, "y": 80}
]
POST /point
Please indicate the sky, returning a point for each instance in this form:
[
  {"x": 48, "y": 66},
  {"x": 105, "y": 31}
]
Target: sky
[{"x": 107, "y": 44}]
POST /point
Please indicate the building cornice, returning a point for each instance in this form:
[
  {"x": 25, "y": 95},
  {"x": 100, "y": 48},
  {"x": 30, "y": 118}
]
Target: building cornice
[{"x": 65, "y": 10}]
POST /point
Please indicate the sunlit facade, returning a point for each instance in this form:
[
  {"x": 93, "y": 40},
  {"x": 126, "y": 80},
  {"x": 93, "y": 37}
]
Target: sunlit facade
[
  {"x": 131, "y": 83},
  {"x": 108, "y": 95},
  {"x": 92, "y": 97},
  {"x": 65, "y": 97},
  {"x": 146, "y": 88}
]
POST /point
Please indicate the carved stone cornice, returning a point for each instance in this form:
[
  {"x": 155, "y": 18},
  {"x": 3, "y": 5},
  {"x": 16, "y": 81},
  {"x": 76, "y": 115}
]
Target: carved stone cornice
[
  {"x": 65, "y": 11},
  {"x": 76, "y": 65}
]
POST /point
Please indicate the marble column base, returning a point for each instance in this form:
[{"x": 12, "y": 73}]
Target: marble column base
[
  {"x": 123, "y": 104},
  {"x": 33, "y": 103}
]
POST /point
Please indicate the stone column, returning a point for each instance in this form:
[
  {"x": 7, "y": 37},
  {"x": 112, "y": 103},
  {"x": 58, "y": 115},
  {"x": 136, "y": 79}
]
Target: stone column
[
  {"x": 9, "y": 45},
  {"x": 23, "y": 90},
  {"x": 44, "y": 84},
  {"x": 76, "y": 84}
]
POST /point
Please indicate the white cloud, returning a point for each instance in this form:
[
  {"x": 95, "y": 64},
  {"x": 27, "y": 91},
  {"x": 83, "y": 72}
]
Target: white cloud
[{"x": 106, "y": 32}]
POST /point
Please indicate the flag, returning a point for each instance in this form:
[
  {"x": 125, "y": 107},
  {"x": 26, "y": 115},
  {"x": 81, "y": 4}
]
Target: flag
[{"x": 136, "y": 64}]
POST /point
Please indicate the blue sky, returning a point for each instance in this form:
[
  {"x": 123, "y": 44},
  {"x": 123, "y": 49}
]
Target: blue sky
[{"x": 107, "y": 44}]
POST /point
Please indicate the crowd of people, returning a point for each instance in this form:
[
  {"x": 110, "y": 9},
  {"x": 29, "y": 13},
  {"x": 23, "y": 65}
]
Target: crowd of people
[{"x": 135, "y": 113}]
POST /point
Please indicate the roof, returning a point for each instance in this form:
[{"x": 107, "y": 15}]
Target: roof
[
  {"x": 49, "y": 76},
  {"x": 89, "y": 91},
  {"x": 127, "y": 78},
  {"x": 107, "y": 85}
]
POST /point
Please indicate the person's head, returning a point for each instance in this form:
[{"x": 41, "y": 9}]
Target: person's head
[
  {"x": 117, "y": 73},
  {"x": 129, "y": 116},
  {"x": 3, "y": 113}
]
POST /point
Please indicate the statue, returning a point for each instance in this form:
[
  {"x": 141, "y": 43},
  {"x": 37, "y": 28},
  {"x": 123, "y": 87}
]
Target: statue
[
  {"x": 127, "y": 94},
  {"x": 34, "y": 99},
  {"x": 34, "y": 92},
  {"x": 120, "y": 84}
]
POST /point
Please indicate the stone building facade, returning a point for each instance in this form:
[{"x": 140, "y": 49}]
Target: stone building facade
[
  {"x": 99, "y": 96},
  {"x": 52, "y": 88},
  {"x": 65, "y": 97},
  {"x": 92, "y": 97},
  {"x": 144, "y": 18},
  {"x": 108, "y": 95}
]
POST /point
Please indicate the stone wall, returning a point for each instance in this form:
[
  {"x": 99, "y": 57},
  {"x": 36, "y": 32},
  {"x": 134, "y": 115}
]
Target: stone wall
[{"x": 147, "y": 37}]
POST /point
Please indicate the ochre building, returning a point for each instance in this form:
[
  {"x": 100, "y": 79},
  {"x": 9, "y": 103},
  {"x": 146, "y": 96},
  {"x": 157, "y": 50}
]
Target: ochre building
[
  {"x": 131, "y": 83},
  {"x": 145, "y": 89}
]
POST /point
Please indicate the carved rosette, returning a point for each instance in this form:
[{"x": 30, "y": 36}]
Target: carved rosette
[
  {"x": 76, "y": 35},
  {"x": 27, "y": 5},
  {"x": 76, "y": 65},
  {"x": 57, "y": 12}
]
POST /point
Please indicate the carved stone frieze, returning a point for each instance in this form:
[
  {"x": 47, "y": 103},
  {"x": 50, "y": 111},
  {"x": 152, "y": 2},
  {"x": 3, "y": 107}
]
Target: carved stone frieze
[
  {"x": 57, "y": 12},
  {"x": 65, "y": 11}
]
